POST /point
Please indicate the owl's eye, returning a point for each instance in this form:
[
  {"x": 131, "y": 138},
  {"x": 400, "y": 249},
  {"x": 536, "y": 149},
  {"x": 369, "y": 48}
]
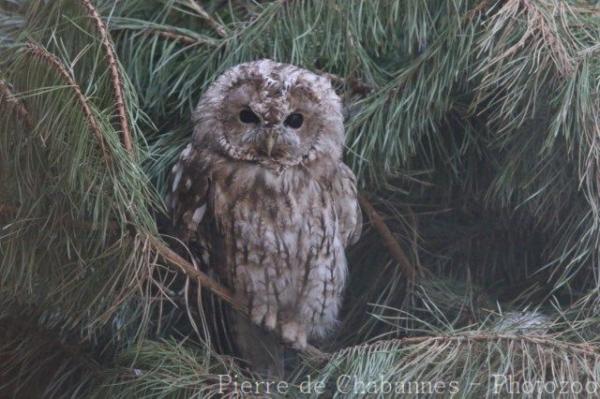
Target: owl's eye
[
  {"x": 247, "y": 116},
  {"x": 294, "y": 120}
]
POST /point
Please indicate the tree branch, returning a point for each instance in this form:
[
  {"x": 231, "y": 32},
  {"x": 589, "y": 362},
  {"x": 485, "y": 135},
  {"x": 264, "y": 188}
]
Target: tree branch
[
  {"x": 56, "y": 64},
  {"x": 116, "y": 79}
]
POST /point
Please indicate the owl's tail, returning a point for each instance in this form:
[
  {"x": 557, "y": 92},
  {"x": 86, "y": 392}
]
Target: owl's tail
[{"x": 261, "y": 349}]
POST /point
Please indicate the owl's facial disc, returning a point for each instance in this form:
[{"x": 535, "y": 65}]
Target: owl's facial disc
[
  {"x": 271, "y": 113},
  {"x": 276, "y": 113}
]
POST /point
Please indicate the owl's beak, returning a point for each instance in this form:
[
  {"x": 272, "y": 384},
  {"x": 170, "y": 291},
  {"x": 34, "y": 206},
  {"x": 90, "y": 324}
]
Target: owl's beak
[{"x": 270, "y": 141}]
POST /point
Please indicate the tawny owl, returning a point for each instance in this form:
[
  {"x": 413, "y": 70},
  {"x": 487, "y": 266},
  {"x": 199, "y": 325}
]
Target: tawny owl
[{"x": 263, "y": 190}]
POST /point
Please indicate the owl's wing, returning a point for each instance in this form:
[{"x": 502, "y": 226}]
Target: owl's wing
[
  {"x": 347, "y": 207},
  {"x": 190, "y": 207},
  {"x": 188, "y": 195}
]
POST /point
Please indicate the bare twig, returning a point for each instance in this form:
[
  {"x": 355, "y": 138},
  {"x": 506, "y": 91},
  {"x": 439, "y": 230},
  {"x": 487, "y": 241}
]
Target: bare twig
[
  {"x": 56, "y": 64},
  {"x": 389, "y": 240},
  {"x": 203, "y": 279},
  {"x": 116, "y": 79},
  {"x": 22, "y": 112},
  {"x": 202, "y": 13}
]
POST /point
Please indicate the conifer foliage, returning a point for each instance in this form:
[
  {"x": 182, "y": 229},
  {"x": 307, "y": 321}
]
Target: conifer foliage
[{"x": 474, "y": 129}]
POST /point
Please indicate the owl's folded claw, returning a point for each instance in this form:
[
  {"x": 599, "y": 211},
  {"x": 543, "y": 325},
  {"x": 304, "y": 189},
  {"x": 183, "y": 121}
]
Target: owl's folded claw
[
  {"x": 265, "y": 316},
  {"x": 258, "y": 313},
  {"x": 270, "y": 321},
  {"x": 295, "y": 334}
]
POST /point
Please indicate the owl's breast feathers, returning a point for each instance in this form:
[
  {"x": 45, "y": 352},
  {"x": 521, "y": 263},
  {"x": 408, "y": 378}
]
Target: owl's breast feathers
[
  {"x": 199, "y": 175},
  {"x": 280, "y": 237}
]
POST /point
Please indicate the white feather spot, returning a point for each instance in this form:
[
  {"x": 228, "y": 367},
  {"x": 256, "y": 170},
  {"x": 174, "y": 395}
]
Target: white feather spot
[
  {"x": 199, "y": 214},
  {"x": 173, "y": 203},
  {"x": 176, "y": 180},
  {"x": 186, "y": 152},
  {"x": 188, "y": 183},
  {"x": 205, "y": 258}
]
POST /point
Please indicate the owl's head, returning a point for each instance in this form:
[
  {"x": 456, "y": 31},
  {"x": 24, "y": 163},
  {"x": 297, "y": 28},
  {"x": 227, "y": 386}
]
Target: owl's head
[{"x": 266, "y": 111}]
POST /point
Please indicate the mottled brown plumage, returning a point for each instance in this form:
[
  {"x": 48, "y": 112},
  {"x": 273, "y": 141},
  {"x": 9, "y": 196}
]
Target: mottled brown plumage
[{"x": 263, "y": 189}]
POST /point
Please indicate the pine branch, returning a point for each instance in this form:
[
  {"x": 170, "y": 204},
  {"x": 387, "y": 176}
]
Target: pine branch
[
  {"x": 203, "y": 279},
  {"x": 56, "y": 64},
  {"x": 116, "y": 78}
]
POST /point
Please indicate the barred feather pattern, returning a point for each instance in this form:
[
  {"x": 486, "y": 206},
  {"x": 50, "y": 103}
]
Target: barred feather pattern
[{"x": 275, "y": 223}]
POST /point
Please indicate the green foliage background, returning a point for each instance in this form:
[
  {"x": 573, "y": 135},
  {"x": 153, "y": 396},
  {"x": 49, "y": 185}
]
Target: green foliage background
[{"x": 473, "y": 127}]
